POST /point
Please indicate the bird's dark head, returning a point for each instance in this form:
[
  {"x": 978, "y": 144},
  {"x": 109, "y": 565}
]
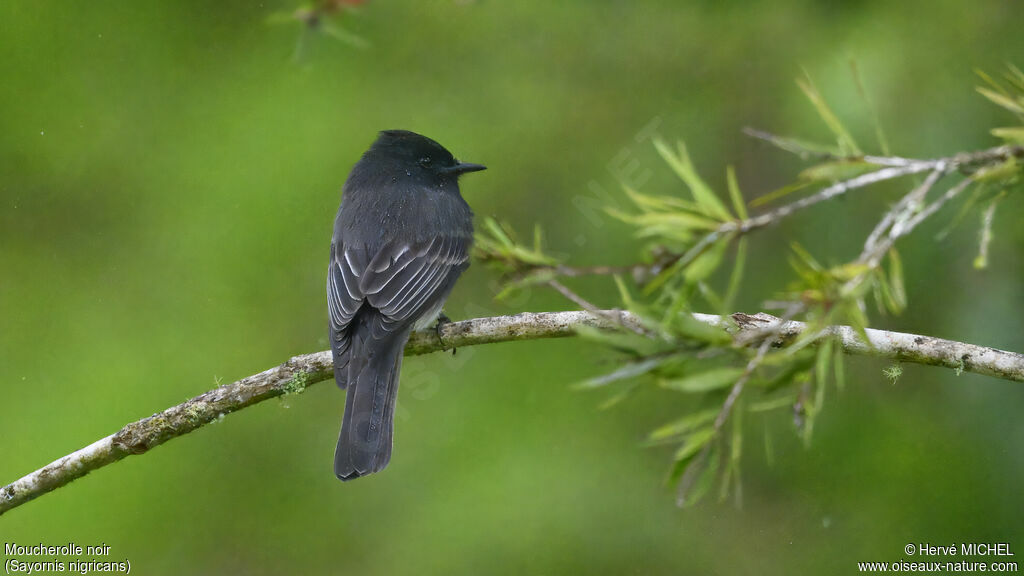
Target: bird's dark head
[{"x": 418, "y": 156}]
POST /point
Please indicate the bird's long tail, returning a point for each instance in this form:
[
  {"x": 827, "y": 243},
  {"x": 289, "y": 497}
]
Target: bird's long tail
[{"x": 364, "y": 446}]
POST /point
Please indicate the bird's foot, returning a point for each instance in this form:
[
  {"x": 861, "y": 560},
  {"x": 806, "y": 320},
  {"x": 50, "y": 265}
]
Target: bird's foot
[{"x": 441, "y": 321}]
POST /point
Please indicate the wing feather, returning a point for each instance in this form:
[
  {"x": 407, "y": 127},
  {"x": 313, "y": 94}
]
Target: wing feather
[
  {"x": 399, "y": 280},
  {"x": 390, "y": 261},
  {"x": 437, "y": 262},
  {"x": 343, "y": 295},
  {"x": 427, "y": 286}
]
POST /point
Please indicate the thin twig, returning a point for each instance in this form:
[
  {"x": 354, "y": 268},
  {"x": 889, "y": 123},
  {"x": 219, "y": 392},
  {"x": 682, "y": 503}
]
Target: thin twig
[
  {"x": 901, "y": 227},
  {"x": 835, "y": 190},
  {"x": 575, "y": 271},
  {"x": 903, "y": 209},
  {"x": 615, "y": 316},
  {"x": 789, "y": 145},
  {"x": 934, "y": 207}
]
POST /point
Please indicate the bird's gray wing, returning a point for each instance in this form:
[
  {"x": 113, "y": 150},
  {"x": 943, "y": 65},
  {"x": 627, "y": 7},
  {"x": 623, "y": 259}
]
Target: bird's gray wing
[
  {"x": 404, "y": 280},
  {"x": 343, "y": 302},
  {"x": 344, "y": 296}
]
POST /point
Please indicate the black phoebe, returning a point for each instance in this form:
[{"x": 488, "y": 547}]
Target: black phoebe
[{"x": 401, "y": 238}]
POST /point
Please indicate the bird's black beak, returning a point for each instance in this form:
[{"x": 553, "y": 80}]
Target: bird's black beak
[{"x": 464, "y": 167}]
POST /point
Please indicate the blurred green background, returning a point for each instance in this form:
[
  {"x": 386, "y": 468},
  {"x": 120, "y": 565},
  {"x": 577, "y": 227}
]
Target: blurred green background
[{"x": 169, "y": 174}]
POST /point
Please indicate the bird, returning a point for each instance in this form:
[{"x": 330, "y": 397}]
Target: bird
[{"x": 402, "y": 237}]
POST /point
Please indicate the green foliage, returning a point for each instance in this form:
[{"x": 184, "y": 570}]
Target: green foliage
[
  {"x": 689, "y": 237},
  {"x": 735, "y": 277},
  {"x": 836, "y": 170},
  {"x": 986, "y": 235},
  {"x": 781, "y": 192},
  {"x": 888, "y": 289},
  {"x": 1010, "y": 97},
  {"x": 679, "y": 225},
  {"x": 673, "y": 221},
  {"x": 880, "y": 137},
  {"x": 626, "y": 372},
  {"x": 731, "y": 475},
  {"x": 1003, "y": 100},
  {"x": 707, "y": 201},
  {"x": 498, "y": 242},
  {"x": 297, "y": 384},
  {"x": 1014, "y": 134},
  {"x": 734, "y": 193},
  {"x": 893, "y": 373},
  {"x": 519, "y": 265},
  {"x": 847, "y": 146},
  {"x": 624, "y": 341},
  {"x": 676, "y": 429},
  {"x": 704, "y": 265},
  {"x": 690, "y": 446},
  {"x": 713, "y": 379}
]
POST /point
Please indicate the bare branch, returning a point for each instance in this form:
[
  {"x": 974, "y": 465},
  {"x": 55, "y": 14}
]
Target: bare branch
[{"x": 301, "y": 371}]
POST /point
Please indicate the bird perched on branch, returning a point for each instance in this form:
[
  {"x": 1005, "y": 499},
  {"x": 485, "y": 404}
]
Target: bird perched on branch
[{"x": 401, "y": 239}]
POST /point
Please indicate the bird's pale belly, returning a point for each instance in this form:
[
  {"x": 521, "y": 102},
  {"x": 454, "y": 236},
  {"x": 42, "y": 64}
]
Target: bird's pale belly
[{"x": 429, "y": 317}]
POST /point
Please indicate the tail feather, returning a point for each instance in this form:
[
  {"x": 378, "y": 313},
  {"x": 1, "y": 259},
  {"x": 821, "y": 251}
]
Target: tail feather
[
  {"x": 340, "y": 345},
  {"x": 364, "y": 446}
]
